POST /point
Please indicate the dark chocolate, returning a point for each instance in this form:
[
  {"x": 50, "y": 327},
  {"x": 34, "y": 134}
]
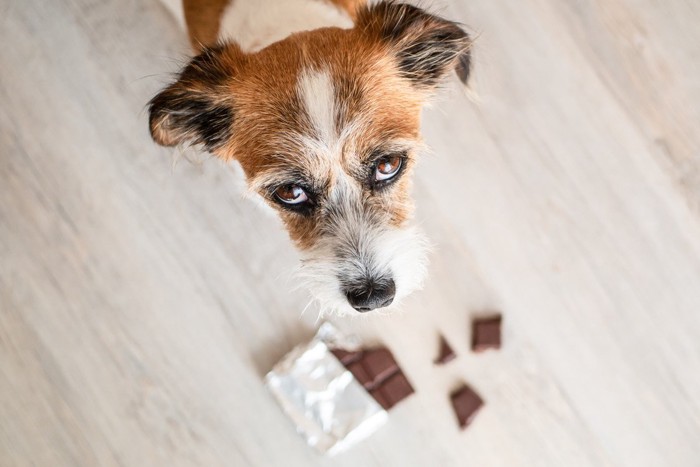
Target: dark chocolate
[
  {"x": 377, "y": 371},
  {"x": 466, "y": 404},
  {"x": 394, "y": 390},
  {"x": 446, "y": 353},
  {"x": 486, "y": 333},
  {"x": 380, "y": 364}
]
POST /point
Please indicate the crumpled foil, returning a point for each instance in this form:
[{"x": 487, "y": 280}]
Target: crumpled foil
[{"x": 329, "y": 407}]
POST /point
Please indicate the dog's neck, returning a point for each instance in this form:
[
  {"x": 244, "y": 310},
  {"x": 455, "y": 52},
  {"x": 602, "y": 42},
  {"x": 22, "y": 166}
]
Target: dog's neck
[{"x": 255, "y": 24}]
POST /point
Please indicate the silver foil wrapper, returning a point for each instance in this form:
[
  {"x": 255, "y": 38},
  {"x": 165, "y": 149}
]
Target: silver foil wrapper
[{"x": 329, "y": 407}]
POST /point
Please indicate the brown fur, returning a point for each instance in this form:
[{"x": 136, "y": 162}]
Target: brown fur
[
  {"x": 375, "y": 90},
  {"x": 267, "y": 109}
]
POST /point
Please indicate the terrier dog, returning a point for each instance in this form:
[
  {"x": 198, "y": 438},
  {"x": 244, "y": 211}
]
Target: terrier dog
[{"x": 319, "y": 101}]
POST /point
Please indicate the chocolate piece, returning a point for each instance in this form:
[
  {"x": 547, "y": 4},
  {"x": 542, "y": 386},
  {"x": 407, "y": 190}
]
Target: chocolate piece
[
  {"x": 380, "y": 364},
  {"x": 486, "y": 333},
  {"x": 466, "y": 404},
  {"x": 446, "y": 352},
  {"x": 377, "y": 370},
  {"x": 394, "y": 390},
  {"x": 347, "y": 357}
]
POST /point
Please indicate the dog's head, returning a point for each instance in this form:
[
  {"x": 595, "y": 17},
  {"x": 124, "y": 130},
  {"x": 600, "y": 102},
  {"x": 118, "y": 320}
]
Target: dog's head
[{"x": 325, "y": 125}]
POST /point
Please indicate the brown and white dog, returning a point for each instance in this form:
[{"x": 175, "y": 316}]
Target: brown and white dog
[{"x": 319, "y": 101}]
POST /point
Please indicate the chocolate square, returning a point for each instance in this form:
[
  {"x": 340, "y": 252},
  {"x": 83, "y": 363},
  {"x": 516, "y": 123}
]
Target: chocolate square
[
  {"x": 486, "y": 333},
  {"x": 380, "y": 364},
  {"x": 466, "y": 404},
  {"x": 394, "y": 390},
  {"x": 446, "y": 353}
]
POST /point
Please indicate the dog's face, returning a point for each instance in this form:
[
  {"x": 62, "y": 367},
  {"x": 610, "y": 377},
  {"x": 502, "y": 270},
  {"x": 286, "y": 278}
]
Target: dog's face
[{"x": 325, "y": 125}]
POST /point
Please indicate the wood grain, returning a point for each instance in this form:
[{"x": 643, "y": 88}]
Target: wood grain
[{"x": 142, "y": 298}]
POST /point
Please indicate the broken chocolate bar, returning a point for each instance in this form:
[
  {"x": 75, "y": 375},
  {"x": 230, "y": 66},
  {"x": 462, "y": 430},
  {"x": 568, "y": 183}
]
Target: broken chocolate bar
[
  {"x": 486, "y": 333},
  {"x": 377, "y": 371},
  {"x": 466, "y": 404},
  {"x": 446, "y": 352},
  {"x": 328, "y": 406}
]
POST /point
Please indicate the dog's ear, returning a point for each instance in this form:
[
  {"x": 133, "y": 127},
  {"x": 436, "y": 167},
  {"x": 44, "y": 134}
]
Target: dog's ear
[
  {"x": 427, "y": 47},
  {"x": 197, "y": 109}
]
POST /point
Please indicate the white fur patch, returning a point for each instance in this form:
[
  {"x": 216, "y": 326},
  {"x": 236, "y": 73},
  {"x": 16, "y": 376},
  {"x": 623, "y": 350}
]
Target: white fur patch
[
  {"x": 397, "y": 253},
  {"x": 316, "y": 91},
  {"x": 255, "y": 24},
  {"x": 357, "y": 245}
]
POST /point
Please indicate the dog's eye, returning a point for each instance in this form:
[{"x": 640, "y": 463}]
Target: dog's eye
[
  {"x": 291, "y": 194},
  {"x": 387, "y": 167}
]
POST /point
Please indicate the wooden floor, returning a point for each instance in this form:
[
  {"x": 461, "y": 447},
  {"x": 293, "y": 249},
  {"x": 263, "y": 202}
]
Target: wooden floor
[{"x": 142, "y": 299}]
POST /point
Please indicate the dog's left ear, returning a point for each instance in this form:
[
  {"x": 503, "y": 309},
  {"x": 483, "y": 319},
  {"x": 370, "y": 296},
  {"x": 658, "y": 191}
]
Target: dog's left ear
[{"x": 427, "y": 47}]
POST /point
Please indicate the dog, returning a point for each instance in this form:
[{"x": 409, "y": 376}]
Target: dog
[{"x": 319, "y": 102}]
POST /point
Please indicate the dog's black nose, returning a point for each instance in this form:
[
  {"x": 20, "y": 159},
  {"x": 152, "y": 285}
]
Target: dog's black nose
[{"x": 371, "y": 295}]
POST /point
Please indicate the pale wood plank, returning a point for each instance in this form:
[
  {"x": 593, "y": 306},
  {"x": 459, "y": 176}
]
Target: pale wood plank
[{"x": 140, "y": 304}]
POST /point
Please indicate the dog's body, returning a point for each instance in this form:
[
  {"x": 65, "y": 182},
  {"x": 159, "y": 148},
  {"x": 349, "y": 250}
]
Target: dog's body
[
  {"x": 319, "y": 101},
  {"x": 254, "y": 24}
]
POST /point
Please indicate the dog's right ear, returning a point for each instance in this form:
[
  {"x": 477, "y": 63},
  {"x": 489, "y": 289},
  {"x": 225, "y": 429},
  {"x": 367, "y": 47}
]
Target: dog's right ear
[
  {"x": 426, "y": 46},
  {"x": 197, "y": 108}
]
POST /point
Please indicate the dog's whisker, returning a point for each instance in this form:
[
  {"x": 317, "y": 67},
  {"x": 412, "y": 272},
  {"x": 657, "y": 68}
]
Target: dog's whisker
[{"x": 306, "y": 308}]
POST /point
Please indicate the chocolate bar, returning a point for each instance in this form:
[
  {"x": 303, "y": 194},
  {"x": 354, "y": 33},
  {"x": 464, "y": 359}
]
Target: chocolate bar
[
  {"x": 466, "y": 404},
  {"x": 486, "y": 333},
  {"x": 377, "y": 371}
]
